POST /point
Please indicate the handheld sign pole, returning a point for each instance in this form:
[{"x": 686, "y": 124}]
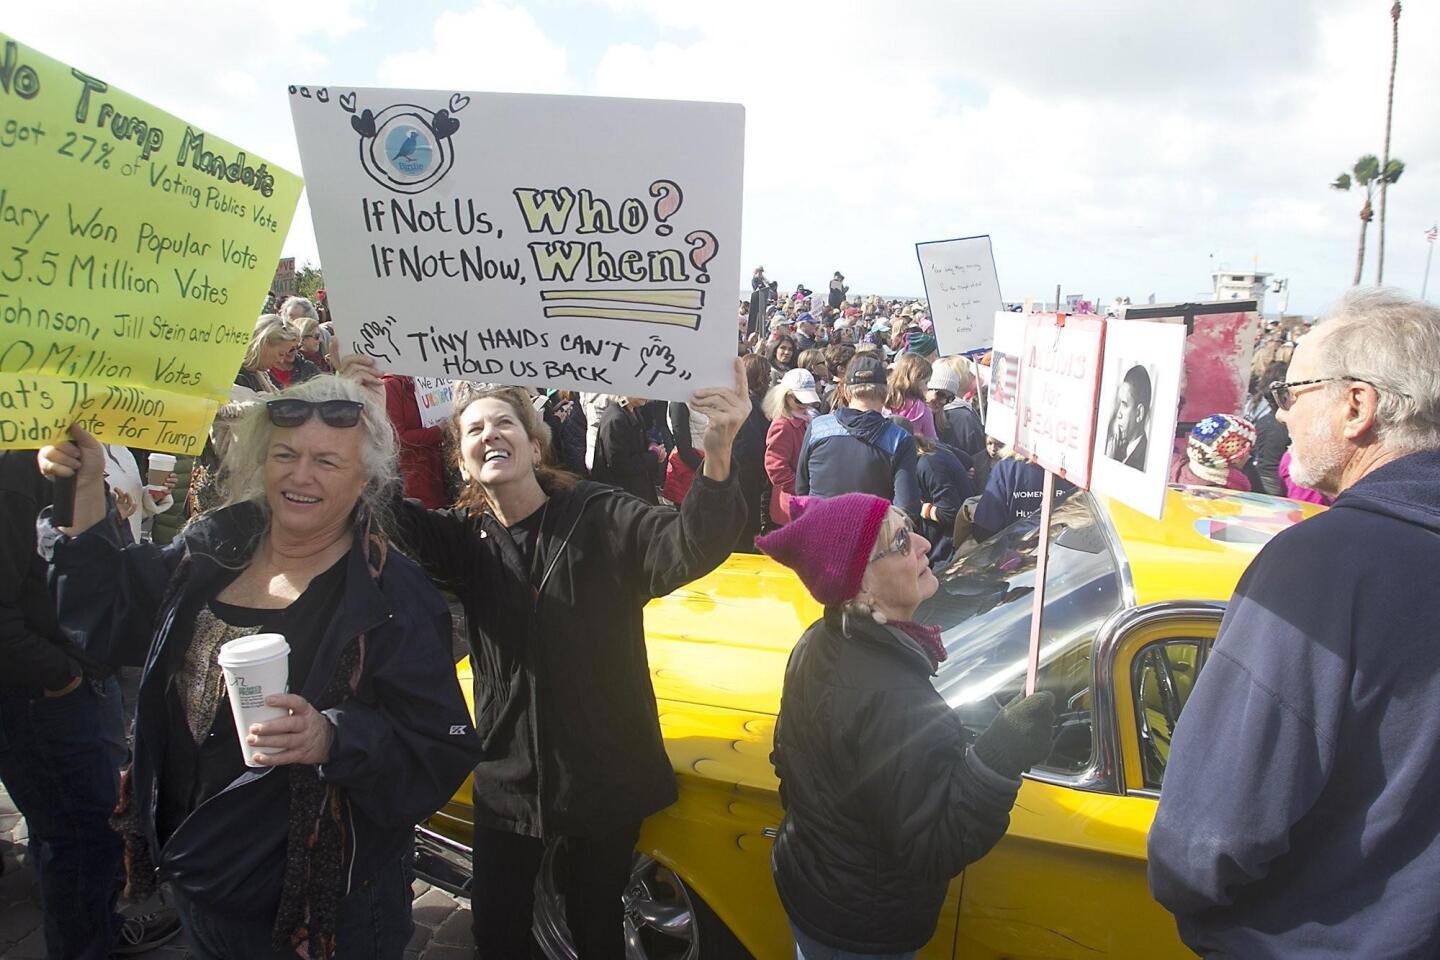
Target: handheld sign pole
[
  {"x": 1042, "y": 560},
  {"x": 63, "y": 512}
]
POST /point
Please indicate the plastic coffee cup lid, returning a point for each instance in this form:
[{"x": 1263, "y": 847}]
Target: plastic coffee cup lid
[
  {"x": 253, "y": 649},
  {"x": 162, "y": 460}
]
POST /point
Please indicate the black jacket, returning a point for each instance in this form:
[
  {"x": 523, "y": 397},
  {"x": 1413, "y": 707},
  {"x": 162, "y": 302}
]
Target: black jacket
[
  {"x": 884, "y": 802},
  {"x": 962, "y": 423},
  {"x": 563, "y": 700},
  {"x": 33, "y": 649},
  {"x": 854, "y": 451},
  {"x": 748, "y": 457},
  {"x": 944, "y": 488},
  {"x": 403, "y": 743},
  {"x": 622, "y": 454},
  {"x": 1271, "y": 442}
]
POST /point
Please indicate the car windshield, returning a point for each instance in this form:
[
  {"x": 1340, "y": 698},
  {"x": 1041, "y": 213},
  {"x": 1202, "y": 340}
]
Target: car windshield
[{"x": 983, "y": 609}]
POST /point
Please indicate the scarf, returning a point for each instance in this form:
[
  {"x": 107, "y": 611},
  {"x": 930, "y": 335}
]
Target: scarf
[
  {"x": 925, "y": 634},
  {"x": 317, "y": 833}
]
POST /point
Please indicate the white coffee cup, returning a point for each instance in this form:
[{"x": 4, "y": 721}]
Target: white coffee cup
[
  {"x": 255, "y": 667},
  {"x": 161, "y": 466}
]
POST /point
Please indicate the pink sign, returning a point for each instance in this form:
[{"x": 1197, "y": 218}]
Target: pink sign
[{"x": 1059, "y": 383}]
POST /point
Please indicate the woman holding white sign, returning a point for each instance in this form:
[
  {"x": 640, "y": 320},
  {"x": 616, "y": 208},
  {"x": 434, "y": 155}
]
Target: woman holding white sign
[
  {"x": 554, "y": 573},
  {"x": 282, "y": 818}
]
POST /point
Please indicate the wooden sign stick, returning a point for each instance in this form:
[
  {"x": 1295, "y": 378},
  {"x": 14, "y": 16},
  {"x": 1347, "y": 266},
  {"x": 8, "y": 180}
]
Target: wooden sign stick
[{"x": 1042, "y": 561}]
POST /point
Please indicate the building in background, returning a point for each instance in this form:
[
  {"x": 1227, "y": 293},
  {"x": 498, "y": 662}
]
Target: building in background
[{"x": 1239, "y": 285}]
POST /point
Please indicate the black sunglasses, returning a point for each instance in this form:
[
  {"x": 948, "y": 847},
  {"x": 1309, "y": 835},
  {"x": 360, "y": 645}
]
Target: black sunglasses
[{"x": 290, "y": 412}]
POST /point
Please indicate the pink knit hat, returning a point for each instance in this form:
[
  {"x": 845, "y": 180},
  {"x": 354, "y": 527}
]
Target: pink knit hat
[{"x": 828, "y": 542}]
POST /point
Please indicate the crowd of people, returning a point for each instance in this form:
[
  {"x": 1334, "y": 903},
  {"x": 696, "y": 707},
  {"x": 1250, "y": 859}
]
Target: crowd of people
[{"x": 325, "y": 509}]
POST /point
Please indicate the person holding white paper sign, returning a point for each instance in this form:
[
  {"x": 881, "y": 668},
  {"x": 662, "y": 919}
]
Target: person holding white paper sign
[
  {"x": 554, "y": 573},
  {"x": 305, "y": 850}
]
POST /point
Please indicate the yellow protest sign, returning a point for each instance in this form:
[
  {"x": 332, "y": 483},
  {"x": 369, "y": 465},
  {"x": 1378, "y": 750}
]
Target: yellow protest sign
[{"x": 135, "y": 252}]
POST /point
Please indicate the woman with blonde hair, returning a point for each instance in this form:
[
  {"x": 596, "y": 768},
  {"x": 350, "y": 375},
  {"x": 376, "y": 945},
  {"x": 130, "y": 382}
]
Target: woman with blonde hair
[
  {"x": 906, "y": 397},
  {"x": 272, "y": 338},
  {"x": 299, "y": 843}
]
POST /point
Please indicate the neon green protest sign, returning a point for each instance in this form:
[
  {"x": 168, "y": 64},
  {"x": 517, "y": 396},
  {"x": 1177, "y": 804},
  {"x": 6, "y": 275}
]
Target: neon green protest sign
[{"x": 135, "y": 251}]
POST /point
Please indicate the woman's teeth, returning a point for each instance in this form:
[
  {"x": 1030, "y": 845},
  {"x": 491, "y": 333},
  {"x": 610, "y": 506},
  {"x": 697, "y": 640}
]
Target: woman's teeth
[
  {"x": 297, "y": 498},
  {"x": 496, "y": 455}
]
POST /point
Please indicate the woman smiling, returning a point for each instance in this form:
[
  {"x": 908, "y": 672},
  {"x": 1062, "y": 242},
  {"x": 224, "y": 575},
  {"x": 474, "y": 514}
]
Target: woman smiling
[
  {"x": 306, "y": 849},
  {"x": 554, "y": 573}
]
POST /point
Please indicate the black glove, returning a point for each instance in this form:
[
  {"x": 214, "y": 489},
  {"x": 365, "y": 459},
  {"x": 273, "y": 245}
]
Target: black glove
[{"x": 1020, "y": 736}]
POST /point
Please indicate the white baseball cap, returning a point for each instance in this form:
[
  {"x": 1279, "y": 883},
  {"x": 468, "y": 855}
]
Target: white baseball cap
[{"x": 801, "y": 383}]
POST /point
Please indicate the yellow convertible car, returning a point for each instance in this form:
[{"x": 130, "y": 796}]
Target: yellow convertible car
[{"x": 1131, "y": 607}]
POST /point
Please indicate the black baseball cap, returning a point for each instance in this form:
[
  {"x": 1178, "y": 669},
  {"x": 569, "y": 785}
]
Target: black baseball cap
[{"x": 864, "y": 369}]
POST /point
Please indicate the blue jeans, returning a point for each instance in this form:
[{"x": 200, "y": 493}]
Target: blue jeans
[
  {"x": 808, "y": 949},
  {"x": 59, "y": 763},
  {"x": 373, "y": 923}
]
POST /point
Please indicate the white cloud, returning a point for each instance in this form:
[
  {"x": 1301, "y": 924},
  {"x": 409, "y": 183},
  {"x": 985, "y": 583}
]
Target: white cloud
[
  {"x": 1113, "y": 151},
  {"x": 493, "y": 47}
]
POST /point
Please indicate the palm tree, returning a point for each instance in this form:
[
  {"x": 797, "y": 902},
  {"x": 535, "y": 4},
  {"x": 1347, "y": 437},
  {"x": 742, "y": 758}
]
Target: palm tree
[
  {"x": 1364, "y": 173},
  {"x": 1389, "y": 110}
]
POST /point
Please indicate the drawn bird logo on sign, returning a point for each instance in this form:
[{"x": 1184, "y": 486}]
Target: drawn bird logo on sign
[{"x": 407, "y": 149}]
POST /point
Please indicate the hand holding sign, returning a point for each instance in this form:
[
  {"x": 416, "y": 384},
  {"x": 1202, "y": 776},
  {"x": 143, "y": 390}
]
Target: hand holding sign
[{"x": 727, "y": 409}]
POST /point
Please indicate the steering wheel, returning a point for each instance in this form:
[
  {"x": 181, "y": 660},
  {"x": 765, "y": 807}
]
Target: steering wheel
[{"x": 1165, "y": 681}]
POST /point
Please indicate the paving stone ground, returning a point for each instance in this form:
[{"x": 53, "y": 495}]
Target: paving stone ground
[{"x": 442, "y": 923}]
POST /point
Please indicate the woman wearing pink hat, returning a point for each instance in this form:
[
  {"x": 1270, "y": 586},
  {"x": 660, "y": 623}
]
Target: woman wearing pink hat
[{"x": 884, "y": 802}]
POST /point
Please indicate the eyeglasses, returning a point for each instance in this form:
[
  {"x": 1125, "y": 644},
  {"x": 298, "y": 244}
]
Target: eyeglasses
[
  {"x": 1282, "y": 393},
  {"x": 290, "y": 412},
  {"x": 900, "y": 545}
]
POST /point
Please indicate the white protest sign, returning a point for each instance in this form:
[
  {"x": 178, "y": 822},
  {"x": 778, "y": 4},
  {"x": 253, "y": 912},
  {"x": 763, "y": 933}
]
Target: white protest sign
[
  {"x": 1058, "y": 383},
  {"x": 1139, "y": 405},
  {"x": 1003, "y": 407},
  {"x": 962, "y": 289},
  {"x": 584, "y": 243},
  {"x": 435, "y": 399}
]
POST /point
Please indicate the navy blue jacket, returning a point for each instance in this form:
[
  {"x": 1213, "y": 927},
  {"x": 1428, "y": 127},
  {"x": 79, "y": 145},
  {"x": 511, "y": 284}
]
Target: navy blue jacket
[
  {"x": 1299, "y": 815},
  {"x": 859, "y": 451},
  {"x": 944, "y": 488},
  {"x": 1013, "y": 491},
  {"x": 403, "y": 743},
  {"x": 962, "y": 425}
]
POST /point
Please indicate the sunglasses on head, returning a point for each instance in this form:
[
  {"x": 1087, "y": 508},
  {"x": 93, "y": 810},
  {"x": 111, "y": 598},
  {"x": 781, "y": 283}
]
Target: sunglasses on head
[
  {"x": 900, "y": 545},
  {"x": 290, "y": 412}
]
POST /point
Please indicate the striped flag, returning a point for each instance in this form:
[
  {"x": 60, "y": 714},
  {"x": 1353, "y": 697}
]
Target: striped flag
[{"x": 1432, "y": 233}]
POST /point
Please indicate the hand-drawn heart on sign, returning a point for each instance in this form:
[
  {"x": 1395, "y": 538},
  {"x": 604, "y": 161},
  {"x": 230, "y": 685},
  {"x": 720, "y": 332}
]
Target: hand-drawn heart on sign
[
  {"x": 444, "y": 124},
  {"x": 364, "y": 124}
]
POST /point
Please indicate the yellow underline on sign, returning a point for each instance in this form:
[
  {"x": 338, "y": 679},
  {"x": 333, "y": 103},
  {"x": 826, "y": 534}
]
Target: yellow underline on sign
[
  {"x": 690, "y": 299},
  {"x": 691, "y": 320}
]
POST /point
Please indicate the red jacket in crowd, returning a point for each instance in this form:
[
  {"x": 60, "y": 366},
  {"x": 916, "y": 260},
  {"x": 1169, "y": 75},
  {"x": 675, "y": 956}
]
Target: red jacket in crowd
[{"x": 419, "y": 445}]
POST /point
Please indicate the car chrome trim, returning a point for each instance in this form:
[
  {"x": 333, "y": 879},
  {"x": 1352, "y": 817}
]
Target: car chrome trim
[
  {"x": 442, "y": 862},
  {"x": 1117, "y": 551},
  {"x": 1108, "y": 643},
  {"x": 1105, "y": 774}
]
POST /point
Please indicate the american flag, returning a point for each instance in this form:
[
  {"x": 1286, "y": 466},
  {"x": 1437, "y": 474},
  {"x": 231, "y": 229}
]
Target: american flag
[
  {"x": 1432, "y": 233},
  {"x": 1004, "y": 378}
]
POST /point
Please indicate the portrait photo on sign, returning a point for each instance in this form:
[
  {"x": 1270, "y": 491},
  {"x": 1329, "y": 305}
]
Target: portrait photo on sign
[
  {"x": 1127, "y": 420},
  {"x": 1003, "y": 383},
  {"x": 1139, "y": 402}
]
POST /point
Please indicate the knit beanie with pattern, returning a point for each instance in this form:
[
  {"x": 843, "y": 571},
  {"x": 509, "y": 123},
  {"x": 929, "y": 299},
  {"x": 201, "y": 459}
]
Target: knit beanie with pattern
[
  {"x": 828, "y": 543},
  {"x": 1217, "y": 443}
]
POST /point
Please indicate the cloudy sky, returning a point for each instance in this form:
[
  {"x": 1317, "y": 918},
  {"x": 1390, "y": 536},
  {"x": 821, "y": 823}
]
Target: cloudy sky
[{"x": 1119, "y": 147}]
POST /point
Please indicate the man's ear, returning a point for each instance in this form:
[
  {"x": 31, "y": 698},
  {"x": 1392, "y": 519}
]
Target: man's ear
[{"x": 1362, "y": 410}]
